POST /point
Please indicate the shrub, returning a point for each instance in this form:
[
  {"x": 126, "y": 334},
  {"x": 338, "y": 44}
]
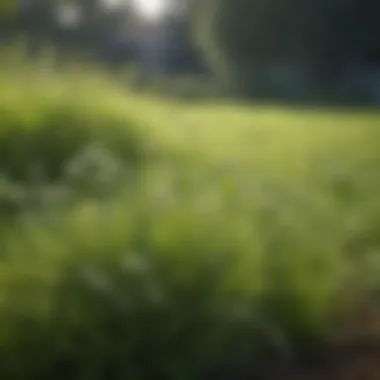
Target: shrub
[{"x": 46, "y": 121}]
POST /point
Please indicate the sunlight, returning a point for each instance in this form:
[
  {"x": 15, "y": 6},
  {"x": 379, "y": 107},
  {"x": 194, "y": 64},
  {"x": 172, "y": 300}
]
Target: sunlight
[{"x": 151, "y": 10}]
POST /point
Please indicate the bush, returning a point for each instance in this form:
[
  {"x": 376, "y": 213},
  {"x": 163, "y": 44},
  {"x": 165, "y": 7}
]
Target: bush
[{"x": 48, "y": 119}]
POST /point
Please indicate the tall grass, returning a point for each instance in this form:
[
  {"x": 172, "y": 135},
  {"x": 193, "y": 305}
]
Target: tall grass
[{"x": 145, "y": 239}]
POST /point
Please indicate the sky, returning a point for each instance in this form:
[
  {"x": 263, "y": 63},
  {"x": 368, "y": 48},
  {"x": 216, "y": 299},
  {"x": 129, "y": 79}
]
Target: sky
[
  {"x": 146, "y": 9},
  {"x": 150, "y": 11}
]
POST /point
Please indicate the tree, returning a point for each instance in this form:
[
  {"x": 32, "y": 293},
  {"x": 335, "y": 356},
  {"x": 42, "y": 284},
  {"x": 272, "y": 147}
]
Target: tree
[
  {"x": 72, "y": 26},
  {"x": 324, "y": 33}
]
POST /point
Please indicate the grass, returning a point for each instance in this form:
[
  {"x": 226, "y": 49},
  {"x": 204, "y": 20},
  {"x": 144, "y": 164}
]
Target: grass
[{"x": 144, "y": 238}]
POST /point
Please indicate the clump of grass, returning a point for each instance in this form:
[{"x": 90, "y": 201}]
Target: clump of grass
[
  {"x": 46, "y": 131},
  {"x": 107, "y": 290}
]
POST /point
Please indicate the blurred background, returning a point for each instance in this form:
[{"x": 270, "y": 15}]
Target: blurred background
[{"x": 278, "y": 49}]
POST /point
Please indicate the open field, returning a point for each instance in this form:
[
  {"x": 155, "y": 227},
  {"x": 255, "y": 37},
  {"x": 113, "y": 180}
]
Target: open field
[{"x": 151, "y": 239}]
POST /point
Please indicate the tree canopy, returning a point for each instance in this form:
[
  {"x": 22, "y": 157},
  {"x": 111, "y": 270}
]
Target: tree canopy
[{"x": 242, "y": 32}]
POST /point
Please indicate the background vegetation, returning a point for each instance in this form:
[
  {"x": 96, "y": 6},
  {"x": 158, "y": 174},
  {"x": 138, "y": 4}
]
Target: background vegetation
[{"x": 313, "y": 50}]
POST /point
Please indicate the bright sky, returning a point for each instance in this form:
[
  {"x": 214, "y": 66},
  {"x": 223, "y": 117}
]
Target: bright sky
[
  {"x": 148, "y": 9},
  {"x": 151, "y": 9}
]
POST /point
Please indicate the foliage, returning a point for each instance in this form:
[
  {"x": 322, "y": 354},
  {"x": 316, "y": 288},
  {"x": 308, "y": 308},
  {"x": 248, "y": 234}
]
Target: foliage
[
  {"x": 43, "y": 127},
  {"x": 324, "y": 35},
  {"x": 86, "y": 28}
]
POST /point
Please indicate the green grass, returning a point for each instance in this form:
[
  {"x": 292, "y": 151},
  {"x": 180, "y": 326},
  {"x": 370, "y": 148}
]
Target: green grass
[{"x": 143, "y": 238}]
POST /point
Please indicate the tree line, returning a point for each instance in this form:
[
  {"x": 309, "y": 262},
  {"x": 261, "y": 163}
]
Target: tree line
[{"x": 233, "y": 36}]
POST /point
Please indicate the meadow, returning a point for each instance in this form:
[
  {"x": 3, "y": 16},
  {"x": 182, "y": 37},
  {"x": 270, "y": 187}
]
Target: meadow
[{"x": 146, "y": 238}]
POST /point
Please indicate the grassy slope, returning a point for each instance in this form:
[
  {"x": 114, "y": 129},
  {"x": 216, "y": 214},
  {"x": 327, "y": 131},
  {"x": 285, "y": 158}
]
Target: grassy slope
[{"x": 244, "y": 224}]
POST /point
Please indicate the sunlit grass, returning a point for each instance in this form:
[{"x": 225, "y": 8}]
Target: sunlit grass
[{"x": 194, "y": 233}]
